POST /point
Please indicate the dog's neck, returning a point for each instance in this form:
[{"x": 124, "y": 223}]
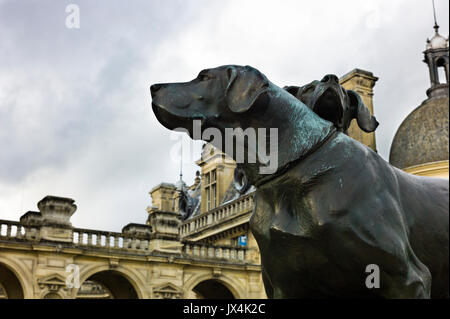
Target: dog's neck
[
  {"x": 299, "y": 128},
  {"x": 300, "y": 131}
]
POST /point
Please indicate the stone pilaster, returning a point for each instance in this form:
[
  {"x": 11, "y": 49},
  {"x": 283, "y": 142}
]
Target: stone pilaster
[{"x": 361, "y": 82}]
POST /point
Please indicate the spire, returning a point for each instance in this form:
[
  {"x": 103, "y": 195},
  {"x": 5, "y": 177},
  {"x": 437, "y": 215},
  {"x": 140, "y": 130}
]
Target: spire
[
  {"x": 436, "y": 57},
  {"x": 181, "y": 185},
  {"x": 436, "y": 26},
  {"x": 437, "y": 41}
]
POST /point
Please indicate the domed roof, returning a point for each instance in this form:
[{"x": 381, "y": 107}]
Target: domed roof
[
  {"x": 437, "y": 42},
  {"x": 180, "y": 185},
  {"x": 423, "y": 135}
]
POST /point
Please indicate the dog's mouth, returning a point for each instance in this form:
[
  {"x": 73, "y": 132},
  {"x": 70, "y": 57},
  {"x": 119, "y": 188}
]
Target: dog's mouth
[
  {"x": 329, "y": 105},
  {"x": 173, "y": 121}
]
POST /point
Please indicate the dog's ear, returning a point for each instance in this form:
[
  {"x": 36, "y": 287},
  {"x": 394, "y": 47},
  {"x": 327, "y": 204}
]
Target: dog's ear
[
  {"x": 305, "y": 93},
  {"x": 292, "y": 89},
  {"x": 366, "y": 121},
  {"x": 244, "y": 87}
]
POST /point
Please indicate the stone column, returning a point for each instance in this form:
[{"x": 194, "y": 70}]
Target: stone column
[
  {"x": 446, "y": 71},
  {"x": 361, "y": 82}
]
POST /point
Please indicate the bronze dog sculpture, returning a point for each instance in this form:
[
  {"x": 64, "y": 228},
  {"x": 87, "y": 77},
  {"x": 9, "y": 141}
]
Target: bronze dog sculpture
[
  {"x": 333, "y": 206},
  {"x": 328, "y": 99}
]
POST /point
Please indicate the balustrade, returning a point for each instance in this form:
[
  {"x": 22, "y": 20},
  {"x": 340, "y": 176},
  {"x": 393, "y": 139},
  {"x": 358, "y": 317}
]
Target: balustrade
[
  {"x": 239, "y": 206},
  {"x": 215, "y": 252}
]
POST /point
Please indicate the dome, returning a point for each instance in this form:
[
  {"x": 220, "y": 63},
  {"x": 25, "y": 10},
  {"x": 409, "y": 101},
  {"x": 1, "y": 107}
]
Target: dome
[
  {"x": 423, "y": 135},
  {"x": 437, "y": 42},
  {"x": 180, "y": 185}
]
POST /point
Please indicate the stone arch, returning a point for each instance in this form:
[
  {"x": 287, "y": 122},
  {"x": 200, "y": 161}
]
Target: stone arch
[
  {"x": 52, "y": 295},
  {"x": 442, "y": 69},
  {"x": 111, "y": 278},
  {"x": 441, "y": 60},
  {"x": 230, "y": 284},
  {"x": 16, "y": 275}
]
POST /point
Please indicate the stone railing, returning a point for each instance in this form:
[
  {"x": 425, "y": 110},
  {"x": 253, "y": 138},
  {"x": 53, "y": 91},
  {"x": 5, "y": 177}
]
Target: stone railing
[
  {"x": 108, "y": 240},
  {"x": 10, "y": 230},
  {"x": 233, "y": 254},
  {"x": 52, "y": 226},
  {"x": 242, "y": 205},
  {"x": 115, "y": 242}
]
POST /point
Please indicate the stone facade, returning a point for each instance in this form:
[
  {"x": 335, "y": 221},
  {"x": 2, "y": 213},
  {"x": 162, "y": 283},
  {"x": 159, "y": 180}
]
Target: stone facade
[{"x": 143, "y": 261}]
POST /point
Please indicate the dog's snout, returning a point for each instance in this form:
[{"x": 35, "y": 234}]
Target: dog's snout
[
  {"x": 329, "y": 78},
  {"x": 155, "y": 87}
]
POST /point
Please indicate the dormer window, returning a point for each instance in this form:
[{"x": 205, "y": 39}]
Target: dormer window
[{"x": 211, "y": 189}]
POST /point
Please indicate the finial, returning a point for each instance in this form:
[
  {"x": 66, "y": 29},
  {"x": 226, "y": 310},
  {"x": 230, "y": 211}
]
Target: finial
[{"x": 436, "y": 27}]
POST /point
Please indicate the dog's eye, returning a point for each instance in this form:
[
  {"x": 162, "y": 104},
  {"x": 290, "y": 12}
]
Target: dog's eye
[
  {"x": 308, "y": 89},
  {"x": 204, "y": 77}
]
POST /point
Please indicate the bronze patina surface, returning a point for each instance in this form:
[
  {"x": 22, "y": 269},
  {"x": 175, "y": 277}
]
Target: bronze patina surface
[{"x": 333, "y": 206}]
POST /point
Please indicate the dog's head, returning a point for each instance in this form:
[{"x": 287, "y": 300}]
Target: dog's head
[
  {"x": 328, "y": 99},
  {"x": 241, "y": 99},
  {"x": 216, "y": 97}
]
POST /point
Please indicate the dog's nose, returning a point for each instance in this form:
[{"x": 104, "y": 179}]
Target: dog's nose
[
  {"x": 330, "y": 78},
  {"x": 155, "y": 87}
]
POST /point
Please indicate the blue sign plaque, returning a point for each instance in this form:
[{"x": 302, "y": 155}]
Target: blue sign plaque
[{"x": 242, "y": 240}]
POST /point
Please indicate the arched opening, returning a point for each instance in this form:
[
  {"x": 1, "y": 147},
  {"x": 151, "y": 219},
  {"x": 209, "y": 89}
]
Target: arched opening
[
  {"x": 52, "y": 295},
  {"x": 3, "y": 294},
  {"x": 91, "y": 289},
  {"x": 108, "y": 284},
  {"x": 442, "y": 71},
  {"x": 212, "y": 289},
  {"x": 10, "y": 287}
]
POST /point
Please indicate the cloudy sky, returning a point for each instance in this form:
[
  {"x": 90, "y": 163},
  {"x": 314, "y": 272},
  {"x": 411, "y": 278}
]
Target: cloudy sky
[{"x": 75, "y": 108}]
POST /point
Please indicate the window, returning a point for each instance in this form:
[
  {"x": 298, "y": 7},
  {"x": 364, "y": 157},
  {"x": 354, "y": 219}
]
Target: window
[
  {"x": 213, "y": 195},
  {"x": 211, "y": 190},
  {"x": 208, "y": 198}
]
